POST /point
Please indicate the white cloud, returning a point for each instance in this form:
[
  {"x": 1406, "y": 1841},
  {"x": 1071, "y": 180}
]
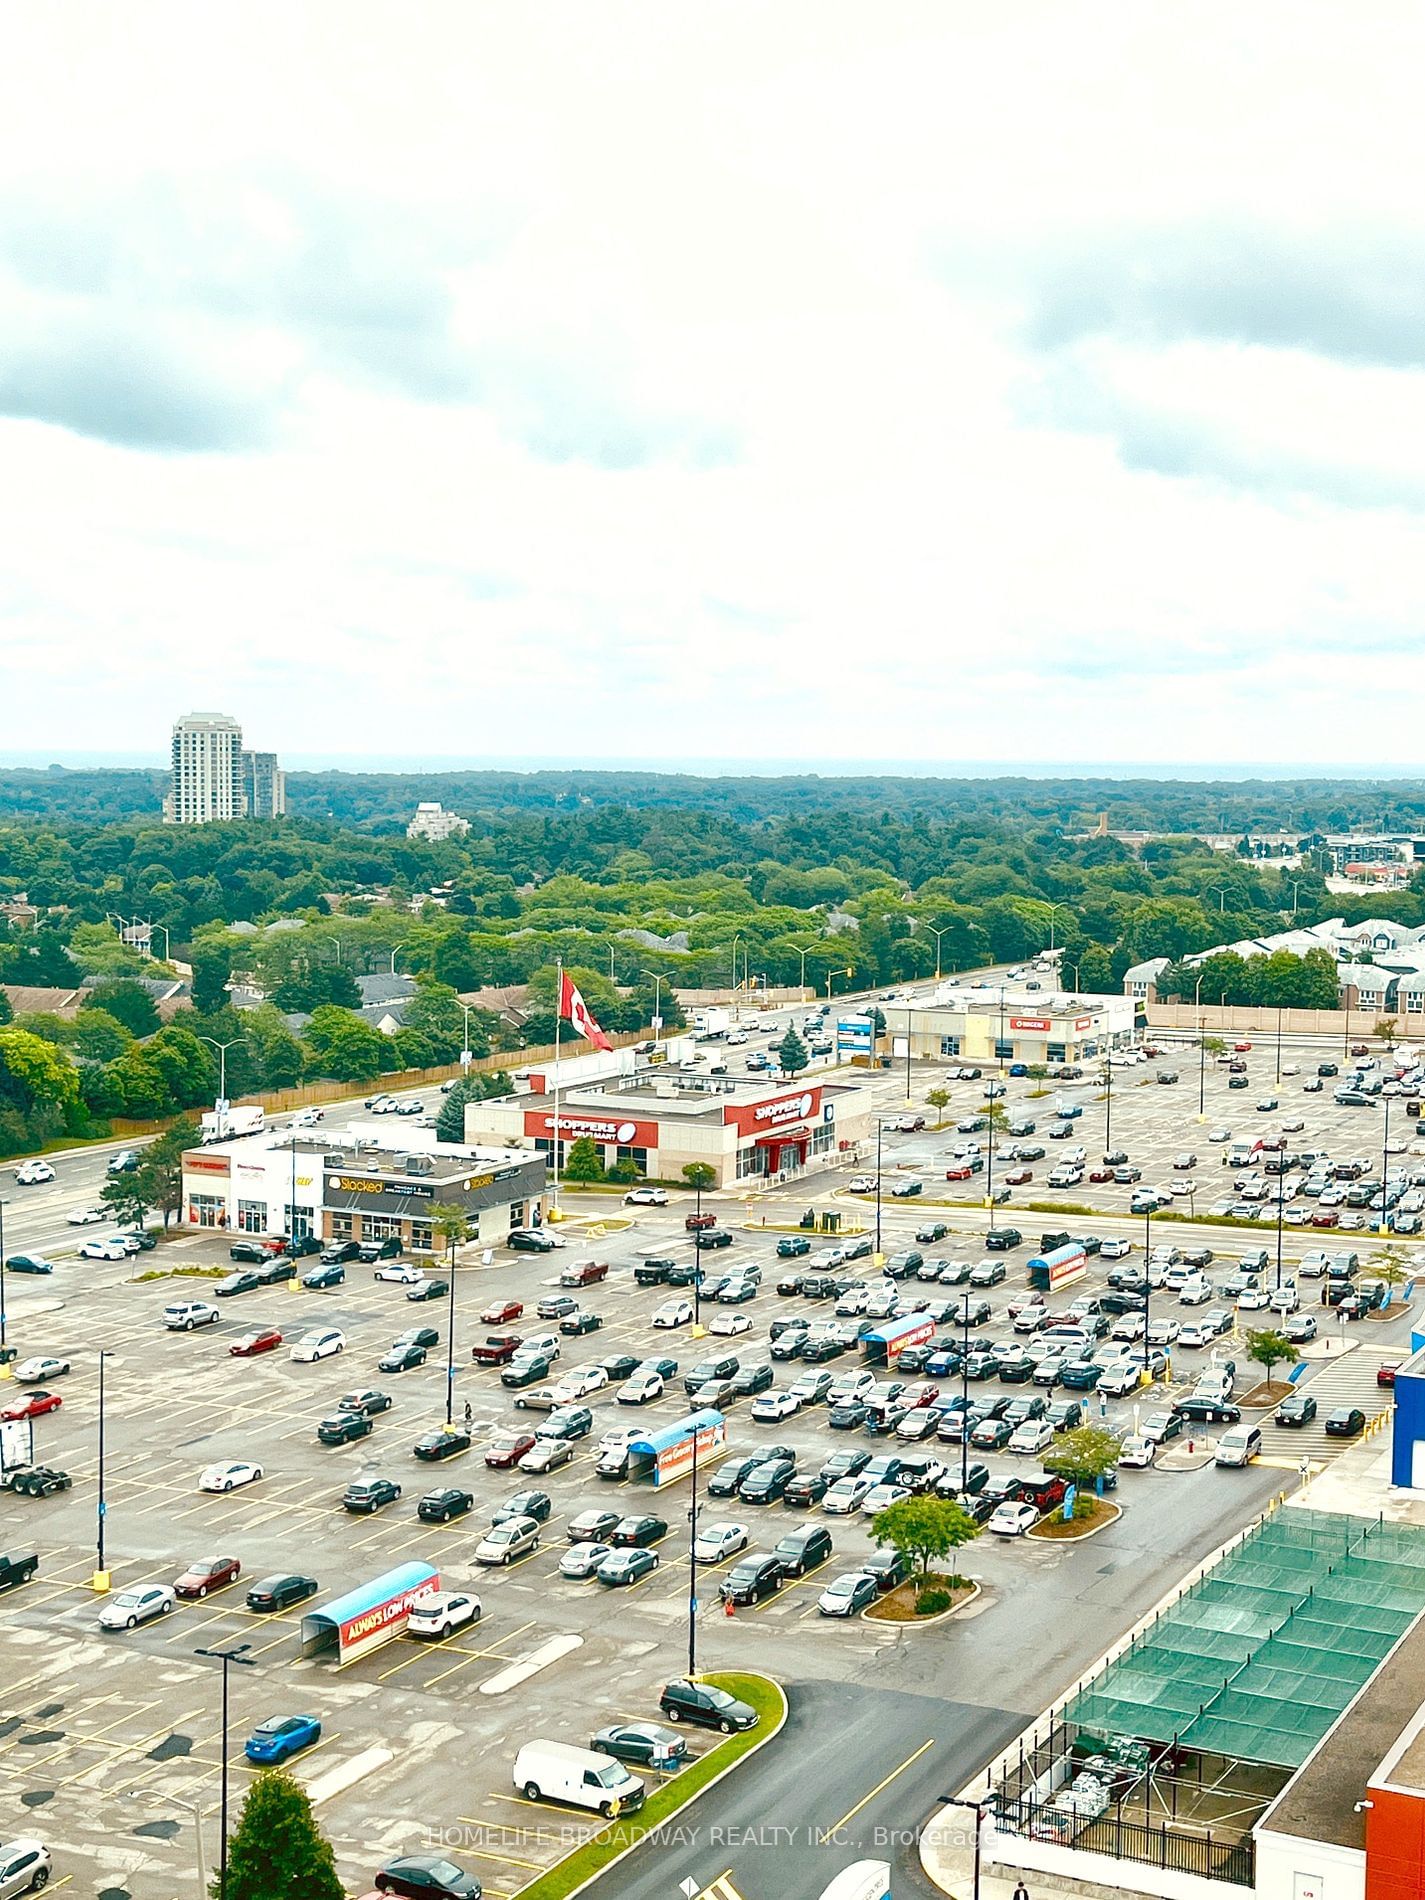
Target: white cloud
[{"x": 772, "y": 383}]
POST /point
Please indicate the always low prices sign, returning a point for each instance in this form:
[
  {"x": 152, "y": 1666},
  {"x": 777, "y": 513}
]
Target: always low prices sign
[{"x": 375, "y": 1625}]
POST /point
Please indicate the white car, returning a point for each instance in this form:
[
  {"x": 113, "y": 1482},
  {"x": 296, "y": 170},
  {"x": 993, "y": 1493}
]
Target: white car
[
  {"x": 729, "y": 1325},
  {"x": 24, "y": 1867},
  {"x": 641, "y": 1389},
  {"x": 442, "y": 1612},
  {"x": 112, "y": 1249},
  {"x": 646, "y": 1197},
  {"x": 583, "y": 1560},
  {"x": 673, "y": 1313},
  {"x": 307, "y": 1118},
  {"x": 1129, "y": 1328},
  {"x": 812, "y": 1386},
  {"x": 717, "y": 1541},
  {"x": 850, "y": 1387},
  {"x": 1162, "y": 1332},
  {"x": 1012, "y": 1520},
  {"x": 1220, "y": 1135},
  {"x": 1253, "y": 1299},
  {"x": 853, "y": 1302},
  {"x": 401, "y": 1272},
  {"x": 1300, "y": 1327},
  {"x": 325, "y": 1343},
  {"x": 33, "y": 1173},
  {"x": 846, "y": 1496},
  {"x": 131, "y": 1607},
  {"x": 862, "y": 1184},
  {"x": 88, "y": 1216},
  {"x": 578, "y": 1383},
  {"x": 1285, "y": 1298},
  {"x": 227, "y": 1477},
  {"x": 768, "y": 1407},
  {"x": 1137, "y": 1453},
  {"x": 184, "y": 1315},
  {"x": 29, "y": 1370},
  {"x": 1115, "y": 1249},
  {"x": 881, "y": 1496},
  {"x": 1032, "y": 1437}
]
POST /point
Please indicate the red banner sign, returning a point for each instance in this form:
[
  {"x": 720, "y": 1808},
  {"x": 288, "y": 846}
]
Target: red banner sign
[
  {"x": 764, "y": 1117},
  {"x": 1041, "y": 1024},
  {"x": 605, "y": 1129}
]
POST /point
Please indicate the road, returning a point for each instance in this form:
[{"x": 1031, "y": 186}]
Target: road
[{"x": 866, "y": 1759}]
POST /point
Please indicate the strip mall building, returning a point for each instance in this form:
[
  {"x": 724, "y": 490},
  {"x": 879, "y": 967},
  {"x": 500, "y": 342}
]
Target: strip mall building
[{"x": 662, "y": 1121}]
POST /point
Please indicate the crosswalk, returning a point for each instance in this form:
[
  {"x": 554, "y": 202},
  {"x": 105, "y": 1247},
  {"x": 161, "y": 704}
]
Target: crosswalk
[{"x": 1349, "y": 1379}]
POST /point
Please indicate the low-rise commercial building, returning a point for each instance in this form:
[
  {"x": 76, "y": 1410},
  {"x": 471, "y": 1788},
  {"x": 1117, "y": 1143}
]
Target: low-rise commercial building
[
  {"x": 661, "y": 1120},
  {"x": 365, "y": 1183},
  {"x": 995, "y": 1026}
]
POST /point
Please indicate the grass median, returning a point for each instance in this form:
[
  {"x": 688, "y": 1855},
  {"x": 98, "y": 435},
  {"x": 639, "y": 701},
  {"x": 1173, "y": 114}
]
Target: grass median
[{"x": 666, "y": 1801}]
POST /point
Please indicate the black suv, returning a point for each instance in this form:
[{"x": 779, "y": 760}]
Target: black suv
[
  {"x": 767, "y": 1481},
  {"x": 342, "y": 1428},
  {"x": 802, "y": 1550},
  {"x": 700, "y": 1702},
  {"x": 725, "y": 1368},
  {"x": 339, "y": 1252},
  {"x": 751, "y": 1579}
]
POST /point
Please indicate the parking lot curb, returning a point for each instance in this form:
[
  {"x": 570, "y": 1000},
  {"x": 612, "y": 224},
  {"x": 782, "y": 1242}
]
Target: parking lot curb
[
  {"x": 921, "y": 1622},
  {"x": 1083, "y": 1536},
  {"x": 721, "y": 1775}
]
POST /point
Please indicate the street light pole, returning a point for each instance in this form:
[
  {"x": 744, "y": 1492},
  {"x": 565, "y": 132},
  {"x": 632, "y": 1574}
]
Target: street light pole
[
  {"x": 3, "y": 1205},
  {"x": 1279, "y": 1044},
  {"x": 101, "y": 1509},
  {"x": 1384, "y": 1226},
  {"x": 693, "y": 1568},
  {"x": 222, "y": 1049},
  {"x": 908, "y": 1096},
  {"x": 977, "y": 1808},
  {"x": 450, "y": 1336},
  {"x": 1108, "y": 1116},
  {"x": 879, "y": 1126},
  {"x": 236, "y": 1654}
]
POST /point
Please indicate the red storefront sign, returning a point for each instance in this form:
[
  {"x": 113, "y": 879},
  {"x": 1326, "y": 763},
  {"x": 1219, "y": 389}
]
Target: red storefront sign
[
  {"x": 1040, "y": 1024},
  {"x": 1082, "y": 1022},
  {"x": 766, "y": 1117},
  {"x": 607, "y": 1130},
  {"x": 206, "y": 1164},
  {"x": 375, "y": 1625}
]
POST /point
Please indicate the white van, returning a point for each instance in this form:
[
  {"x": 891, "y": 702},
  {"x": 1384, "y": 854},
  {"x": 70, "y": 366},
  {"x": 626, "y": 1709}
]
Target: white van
[
  {"x": 557, "y": 1771},
  {"x": 1239, "y": 1445}
]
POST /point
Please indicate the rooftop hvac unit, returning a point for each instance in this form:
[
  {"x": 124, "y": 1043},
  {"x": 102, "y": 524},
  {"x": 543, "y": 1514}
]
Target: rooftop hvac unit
[
  {"x": 333, "y": 1161},
  {"x": 418, "y": 1164}
]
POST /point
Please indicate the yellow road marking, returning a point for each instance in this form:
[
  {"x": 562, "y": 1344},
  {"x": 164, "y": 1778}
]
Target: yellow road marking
[{"x": 851, "y": 1813}]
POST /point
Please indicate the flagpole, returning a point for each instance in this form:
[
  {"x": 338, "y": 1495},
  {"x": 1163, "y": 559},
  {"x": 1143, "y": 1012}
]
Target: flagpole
[{"x": 558, "y": 1021}]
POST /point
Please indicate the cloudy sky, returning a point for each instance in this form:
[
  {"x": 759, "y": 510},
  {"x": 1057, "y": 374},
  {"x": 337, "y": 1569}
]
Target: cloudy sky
[{"x": 795, "y": 382}]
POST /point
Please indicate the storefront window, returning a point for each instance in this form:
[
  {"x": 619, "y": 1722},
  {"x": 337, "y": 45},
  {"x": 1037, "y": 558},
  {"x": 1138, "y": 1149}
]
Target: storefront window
[
  {"x": 422, "y": 1236},
  {"x": 207, "y": 1210},
  {"x": 637, "y": 1155},
  {"x": 750, "y": 1160},
  {"x": 1004, "y": 1050},
  {"x": 299, "y": 1222},
  {"x": 1056, "y": 1052},
  {"x": 252, "y": 1217},
  {"x": 823, "y": 1138},
  {"x": 341, "y": 1225},
  {"x": 949, "y": 1045}
]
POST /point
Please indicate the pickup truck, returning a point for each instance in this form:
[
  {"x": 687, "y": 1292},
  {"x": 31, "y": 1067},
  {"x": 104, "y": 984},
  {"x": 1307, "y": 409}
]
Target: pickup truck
[
  {"x": 496, "y": 1349},
  {"x": 17, "y": 1570},
  {"x": 653, "y": 1272},
  {"x": 583, "y": 1272}
]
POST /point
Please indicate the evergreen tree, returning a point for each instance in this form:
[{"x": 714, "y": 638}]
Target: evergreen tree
[
  {"x": 583, "y": 1161},
  {"x": 128, "y": 1002},
  {"x": 450, "y": 1122},
  {"x": 277, "y": 1851},
  {"x": 792, "y": 1053}
]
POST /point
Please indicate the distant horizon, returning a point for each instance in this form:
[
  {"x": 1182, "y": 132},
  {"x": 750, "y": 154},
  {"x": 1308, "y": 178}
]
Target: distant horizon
[{"x": 405, "y": 765}]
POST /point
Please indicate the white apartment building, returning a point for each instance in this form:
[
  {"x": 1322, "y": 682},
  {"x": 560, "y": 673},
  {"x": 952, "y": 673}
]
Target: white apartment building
[
  {"x": 212, "y": 778},
  {"x": 433, "y": 822}
]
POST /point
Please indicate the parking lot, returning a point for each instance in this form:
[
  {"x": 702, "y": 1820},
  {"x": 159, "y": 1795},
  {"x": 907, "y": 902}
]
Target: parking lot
[{"x": 420, "y": 1735}]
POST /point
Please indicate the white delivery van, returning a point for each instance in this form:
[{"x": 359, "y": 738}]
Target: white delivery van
[{"x": 557, "y": 1771}]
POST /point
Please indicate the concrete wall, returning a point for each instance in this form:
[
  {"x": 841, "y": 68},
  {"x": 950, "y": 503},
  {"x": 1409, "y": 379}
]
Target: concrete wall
[
  {"x": 1258, "y": 1021},
  {"x": 1292, "y": 1869}
]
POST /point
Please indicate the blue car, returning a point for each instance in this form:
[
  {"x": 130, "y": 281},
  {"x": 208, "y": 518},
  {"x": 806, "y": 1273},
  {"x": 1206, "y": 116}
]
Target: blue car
[{"x": 281, "y": 1737}]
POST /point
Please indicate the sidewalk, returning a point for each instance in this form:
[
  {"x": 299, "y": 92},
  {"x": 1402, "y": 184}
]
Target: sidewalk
[{"x": 947, "y": 1857}]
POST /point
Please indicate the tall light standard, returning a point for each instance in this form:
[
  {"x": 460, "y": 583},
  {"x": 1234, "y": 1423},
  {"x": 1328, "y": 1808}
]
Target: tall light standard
[
  {"x": 879, "y": 1126},
  {"x": 736, "y": 1014},
  {"x": 1281, "y": 1218},
  {"x": 236, "y": 1653},
  {"x": 937, "y": 934},
  {"x": 1052, "y": 909},
  {"x": 909, "y": 1099},
  {"x": 3, "y": 1206},
  {"x": 222, "y": 1102},
  {"x": 164, "y": 929},
  {"x": 189, "y": 1807},
  {"x": 1108, "y": 1110},
  {"x": 693, "y": 1568},
  {"x": 1201, "y": 1053},
  {"x": 657, "y": 976},
  {"x": 1295, "y": 888},
  {"x": 1279, "y": 1044},
  {"x": 465, "y": 1049},
  {"x": 337, "y": 942},
  {"x": 101, "y": 1509},
  {"x": 1385, "y": 1220},
  {"x": 394, "y": 954},
  {"x": 1217, "y": 891},
  {"x": 977, "y": 1808}
]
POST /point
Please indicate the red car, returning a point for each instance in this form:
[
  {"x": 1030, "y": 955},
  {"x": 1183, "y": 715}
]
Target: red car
[
  {"x": 1360, "y": 1048},
  {"x": 208, "y": 1573},
  {"x": 1385, "y": 1375},
  {"x": 1099, "y": 1175},
  {"x": 693, "y": 1222},
  {"x": 509, "y": 1450},
  {"x": 961, "y": 1172},
  {"x": 923, "y": 1393},
  {"x": 1017, "y": 1177},
  {"x": 501, "y": 1311},
  {"x": 1325, "y": 1217},
  {"x": 1241, "y": 1047},
  {"x": 32, "y": 1405},
  {"x": 268, "y": 1339}
]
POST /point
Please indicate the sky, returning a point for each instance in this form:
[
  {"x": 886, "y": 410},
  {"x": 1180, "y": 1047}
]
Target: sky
[{"x": 922, "y": 383}]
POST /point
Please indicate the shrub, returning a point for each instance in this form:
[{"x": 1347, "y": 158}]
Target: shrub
[{"x": 931, "y": 1602}]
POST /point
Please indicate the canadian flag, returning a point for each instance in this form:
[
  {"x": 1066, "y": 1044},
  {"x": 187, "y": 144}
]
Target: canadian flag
[{"x": 575, "y": 1010}]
